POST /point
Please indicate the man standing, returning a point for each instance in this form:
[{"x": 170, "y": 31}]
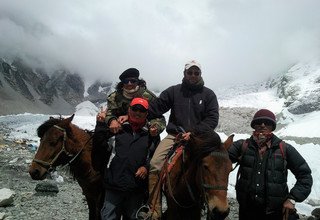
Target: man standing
[
  {"x": 126, "y": 177},
  {"x": 193, "y": 106},
  {"x": 261, "y": 188}
]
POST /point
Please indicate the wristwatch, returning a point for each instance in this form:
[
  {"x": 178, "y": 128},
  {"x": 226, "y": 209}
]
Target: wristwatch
[{"x": 292, "y": 201}]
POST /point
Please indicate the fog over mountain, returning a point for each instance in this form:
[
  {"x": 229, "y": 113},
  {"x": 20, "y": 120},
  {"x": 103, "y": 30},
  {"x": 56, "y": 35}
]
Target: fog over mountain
[{"x": 235, "y": 41}]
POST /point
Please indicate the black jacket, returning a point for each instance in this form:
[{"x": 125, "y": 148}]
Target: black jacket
[
  {"x": 101, "y": 151},
  {"x": 132, "y": 150},
  {"x": 192, "y": 109},
  {"x": 274, "y": 173}
]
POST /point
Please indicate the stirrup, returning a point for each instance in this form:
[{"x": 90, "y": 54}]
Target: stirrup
[{"x": 144, "y": 213}]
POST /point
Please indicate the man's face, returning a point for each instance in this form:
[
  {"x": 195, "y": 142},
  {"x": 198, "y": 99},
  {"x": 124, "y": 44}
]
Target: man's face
[
  {"x": 130, "y": 83},
  {"x": 192, "y": 75},
  {"x": 138, "y": 112},
  {"x": 263, "y": 126}
]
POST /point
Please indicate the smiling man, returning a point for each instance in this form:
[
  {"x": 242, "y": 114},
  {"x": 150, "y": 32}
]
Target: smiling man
[
  {"x": 261, "y": 187},
  {"x": 193, "y": 106}
]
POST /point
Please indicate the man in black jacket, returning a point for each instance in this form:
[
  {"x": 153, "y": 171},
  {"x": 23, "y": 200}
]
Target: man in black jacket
[
  {"x": 193, "y": 106},
  {"x": 261, "y": 188},
  {"x": 126, "y": 177}
]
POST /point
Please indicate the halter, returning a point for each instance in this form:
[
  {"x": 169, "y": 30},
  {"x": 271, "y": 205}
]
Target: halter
[
  {"x": 63, "y": 149},
  {"x": 211, "y": 187},
  {"x": 205, "y": 186}
]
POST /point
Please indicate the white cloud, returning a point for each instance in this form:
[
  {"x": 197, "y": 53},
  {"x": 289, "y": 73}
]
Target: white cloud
[{"x": 235, "y": 41}]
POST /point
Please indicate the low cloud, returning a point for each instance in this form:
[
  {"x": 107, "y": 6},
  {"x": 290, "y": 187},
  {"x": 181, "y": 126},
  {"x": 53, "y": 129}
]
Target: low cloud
[{"x": 235, "y": 41}]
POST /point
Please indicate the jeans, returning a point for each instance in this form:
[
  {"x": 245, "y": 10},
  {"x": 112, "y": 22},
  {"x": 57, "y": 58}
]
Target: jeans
[{"x": 118, "y": 203}]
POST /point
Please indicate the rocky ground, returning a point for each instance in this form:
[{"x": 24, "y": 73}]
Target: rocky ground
[{"x": 69, "y": 203}]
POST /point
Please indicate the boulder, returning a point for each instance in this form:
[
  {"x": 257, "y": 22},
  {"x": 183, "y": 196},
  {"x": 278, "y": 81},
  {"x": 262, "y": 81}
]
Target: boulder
[{"x": 6, "y": 197}]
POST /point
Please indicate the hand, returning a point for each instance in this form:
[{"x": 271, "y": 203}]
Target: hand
[
  {"x": 123, "y": 118},
  {"x": 142, "y": 172},
  {"x": 114, "y": 126},
  {"x": 101, "y": 116},
  {"x": 153, "y": 130},
  {"x": 186, "y": 136},
  {"x": 287, "y": 209}
]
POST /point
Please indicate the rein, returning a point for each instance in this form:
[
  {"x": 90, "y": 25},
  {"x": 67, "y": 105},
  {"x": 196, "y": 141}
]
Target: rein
[
  {"x": 63, "y": 150},
  {"x": 204, "y": 186}
]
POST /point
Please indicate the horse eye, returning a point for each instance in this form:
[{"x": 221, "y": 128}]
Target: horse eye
[
  {"x": 205, "y": 166},
  {"x": 55, "y": 142}
]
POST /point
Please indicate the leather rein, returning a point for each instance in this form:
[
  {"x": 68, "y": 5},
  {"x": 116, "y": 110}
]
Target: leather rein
[
  {"x": 49, "y": 165},
  {"x": 205, "y": 186}
]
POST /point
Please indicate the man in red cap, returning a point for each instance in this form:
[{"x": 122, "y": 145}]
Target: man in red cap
[
  {"x": 261, "y": 187},
  {"x": 126, "y": 178}
]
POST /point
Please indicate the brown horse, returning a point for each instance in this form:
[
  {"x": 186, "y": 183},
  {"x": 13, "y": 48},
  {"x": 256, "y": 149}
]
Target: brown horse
[
  {"x": 199, "y": 179},
  {"x": 64, "y": 143}
]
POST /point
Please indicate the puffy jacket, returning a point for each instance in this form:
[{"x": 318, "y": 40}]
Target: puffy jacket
[
  {"x": 194, "y": 110},
  {"x": 275, "y": 188}
]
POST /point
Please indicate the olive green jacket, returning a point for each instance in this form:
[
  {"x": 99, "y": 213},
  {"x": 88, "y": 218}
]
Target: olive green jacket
[{"x": 118, "y": 105}]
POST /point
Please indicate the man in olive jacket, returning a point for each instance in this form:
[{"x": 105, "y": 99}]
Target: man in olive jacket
[{"x": 261, "y": 188}]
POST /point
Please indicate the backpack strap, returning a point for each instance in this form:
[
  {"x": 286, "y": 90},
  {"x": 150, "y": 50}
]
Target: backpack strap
[
  {"x": 283, "y": 149},
  {"x": 244, "y": 148}
]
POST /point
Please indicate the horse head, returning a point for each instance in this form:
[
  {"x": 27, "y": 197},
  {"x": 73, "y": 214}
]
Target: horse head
[
  {"x": 55, "y": 147},
  {"x": 212, "y": 173}
]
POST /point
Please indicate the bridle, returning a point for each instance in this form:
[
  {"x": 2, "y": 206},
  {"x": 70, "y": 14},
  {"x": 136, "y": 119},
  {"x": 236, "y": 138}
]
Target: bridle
[
  {"x": 204, "y": 186},
  {"x": 218, "y": 187},
  {"x": 49, "y": 165}
]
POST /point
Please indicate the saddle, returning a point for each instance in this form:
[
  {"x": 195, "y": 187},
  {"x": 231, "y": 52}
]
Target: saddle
[{"x": 175, "y": 152}]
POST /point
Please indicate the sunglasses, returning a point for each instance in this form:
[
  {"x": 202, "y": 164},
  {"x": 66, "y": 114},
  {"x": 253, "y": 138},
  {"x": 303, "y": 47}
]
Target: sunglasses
[
  {"x": 263, "y": 121},
  {"x": 195, "y": 73},
  {"x": 138, "y": 108},
  {"x": 131, "y": 80}
]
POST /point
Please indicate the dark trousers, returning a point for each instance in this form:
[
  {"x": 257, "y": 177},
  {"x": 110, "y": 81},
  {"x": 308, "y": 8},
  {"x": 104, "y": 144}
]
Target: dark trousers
[
  {"x": 254, "y": 212},
  {"x": 118, "y": 203}
]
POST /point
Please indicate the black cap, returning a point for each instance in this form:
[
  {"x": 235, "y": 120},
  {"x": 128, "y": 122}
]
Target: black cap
[{"x": 129, "y": 73}]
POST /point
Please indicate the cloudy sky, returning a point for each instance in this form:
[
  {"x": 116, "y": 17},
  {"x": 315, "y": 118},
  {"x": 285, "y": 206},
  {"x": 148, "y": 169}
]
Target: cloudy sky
[{"x": 236, "y": 41}]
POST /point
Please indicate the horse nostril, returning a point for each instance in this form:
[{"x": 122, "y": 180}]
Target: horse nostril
[
  {"x": 34, "y": 173},
  {"x": 215, "y": 214}
]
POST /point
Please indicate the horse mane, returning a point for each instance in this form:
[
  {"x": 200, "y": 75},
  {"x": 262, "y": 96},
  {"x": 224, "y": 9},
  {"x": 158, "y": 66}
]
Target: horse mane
[
  {"x": 42, "y": 129},
  {"x": 203, "y": 143}
]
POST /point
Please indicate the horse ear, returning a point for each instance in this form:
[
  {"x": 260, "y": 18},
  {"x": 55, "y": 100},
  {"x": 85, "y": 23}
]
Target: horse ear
[
  {"x": 228, "y": 142},
  {"x": 70, "y": 118}
]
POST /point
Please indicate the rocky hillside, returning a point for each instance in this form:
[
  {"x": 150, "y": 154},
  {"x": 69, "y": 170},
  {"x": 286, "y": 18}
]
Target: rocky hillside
[
  {"x": 23, "y": 89},
  {"x": 300, "y": 87}
]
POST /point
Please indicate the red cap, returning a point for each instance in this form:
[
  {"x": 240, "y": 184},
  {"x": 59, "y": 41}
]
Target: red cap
[{"x": 140, "y": 101}]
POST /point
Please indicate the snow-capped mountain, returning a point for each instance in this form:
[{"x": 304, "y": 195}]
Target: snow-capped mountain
[{"x": 24, "y": 89}]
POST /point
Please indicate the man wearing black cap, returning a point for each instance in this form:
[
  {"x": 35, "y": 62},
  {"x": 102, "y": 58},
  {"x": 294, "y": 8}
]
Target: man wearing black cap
[
  {"x": 261, "y": 188},
  {"x": 129, "y": 87}
]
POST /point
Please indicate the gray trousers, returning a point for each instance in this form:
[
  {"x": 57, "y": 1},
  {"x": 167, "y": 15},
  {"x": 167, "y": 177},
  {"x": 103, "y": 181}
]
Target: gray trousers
[{"x": 118, "y": 203}]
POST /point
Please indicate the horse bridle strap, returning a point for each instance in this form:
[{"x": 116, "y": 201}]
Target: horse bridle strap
[
  {"x": 208, "y": 186},
  {"x": 63, "y": 149}
]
